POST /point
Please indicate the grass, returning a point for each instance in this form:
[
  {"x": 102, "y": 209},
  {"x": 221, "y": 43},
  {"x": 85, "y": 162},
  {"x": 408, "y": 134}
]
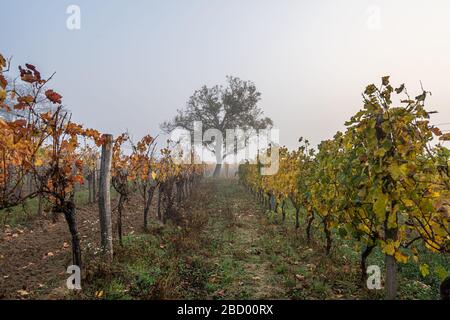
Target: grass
[
  {"x": 341, "y": 268},
  {"x": 228, "y": 247},
  {"x": 209, "y": 257}
]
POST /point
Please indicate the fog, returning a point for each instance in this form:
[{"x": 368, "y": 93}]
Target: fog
[{"x": 132, "y": 64}]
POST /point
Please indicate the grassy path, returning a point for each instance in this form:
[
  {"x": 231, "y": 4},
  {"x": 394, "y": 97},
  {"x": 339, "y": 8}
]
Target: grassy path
[
  {"x": 221, "y": 250},
  {"x": 226, "y": 247},
  {"x": 261, "y": 259},
  {"x": 244, "y": 269}
]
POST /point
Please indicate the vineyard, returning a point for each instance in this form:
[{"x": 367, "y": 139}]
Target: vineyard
[
  {"x": 142, "y": 225},
  {"x": 380, "y": 183},
  {"x": 46, "y": 156}
]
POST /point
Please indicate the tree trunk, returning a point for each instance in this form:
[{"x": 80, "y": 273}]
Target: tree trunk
[
  {"x": 159, "y": 202},
  {"x": 148, "y": 204},
  {"x": 119, "y": 218},
  {"x": 445, "y": 289},
  {"x": 365, "y": 254},
  {"x": 39, "y": 210},
  {"x": 297, "y": 219},
  {"x": 183, "y": 190},
  {"x": 308, "y": 228},
  {"x": 179, "y": 193},
  {"x": 217, "y": 170},
  {"x": 30, "y": 184},
  {"x": 391, "y": 277},
  {"x": 327, "y": 236},
  {"x": 391, "y": 268},
  {"x": 90, "y": 188},
  {"x": 69, "y": 214},
  {"x": 94, "y": 185}
]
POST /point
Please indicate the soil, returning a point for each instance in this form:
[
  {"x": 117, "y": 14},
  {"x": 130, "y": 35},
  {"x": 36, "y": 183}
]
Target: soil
[{"x": 33, "y": 259}]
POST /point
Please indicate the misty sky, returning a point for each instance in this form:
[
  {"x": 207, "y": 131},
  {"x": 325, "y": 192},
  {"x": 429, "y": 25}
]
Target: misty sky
[{"x": 134, "y": 63}]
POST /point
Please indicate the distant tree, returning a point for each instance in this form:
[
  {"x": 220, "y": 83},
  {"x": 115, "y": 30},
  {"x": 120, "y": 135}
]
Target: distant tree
[{"x": 222, "y": 108}]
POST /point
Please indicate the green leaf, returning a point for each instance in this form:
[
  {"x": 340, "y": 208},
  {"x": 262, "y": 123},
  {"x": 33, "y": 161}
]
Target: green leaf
[
  {"x": 400, "y": 89},
  {"x": 379, "y": 207},
  {"x": 380, "y": 152},
  {"x": 342, "y": 232},
  {"x": 398, "y": 171},
  {"x": 441, "y": 272},
  {"x": 370, "y": 89}
]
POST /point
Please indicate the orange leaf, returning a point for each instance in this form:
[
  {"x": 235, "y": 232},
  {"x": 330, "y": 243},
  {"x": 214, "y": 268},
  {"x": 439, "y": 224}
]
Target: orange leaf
[
  {"x": 2, "y": 62},
  {"x": 3, "y": 81}
]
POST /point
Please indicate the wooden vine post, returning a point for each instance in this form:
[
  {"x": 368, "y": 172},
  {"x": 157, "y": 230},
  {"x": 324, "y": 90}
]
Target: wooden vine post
[{"x": 105, "y": 198}]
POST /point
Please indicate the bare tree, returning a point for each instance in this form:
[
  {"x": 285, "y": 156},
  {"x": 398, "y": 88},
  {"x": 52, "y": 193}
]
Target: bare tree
[{"x": 231, "y": 107}]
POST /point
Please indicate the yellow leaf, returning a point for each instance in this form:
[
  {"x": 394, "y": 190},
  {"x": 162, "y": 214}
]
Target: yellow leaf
[
  {"x": 379, "y": 206},
  {"x": 424, "y": 270},
  {"x": 398, "y": 171},
  {"x": 154, "y": 175},
  {"x": 408, "y": 202},
  {"x": 389, "y": 248}
]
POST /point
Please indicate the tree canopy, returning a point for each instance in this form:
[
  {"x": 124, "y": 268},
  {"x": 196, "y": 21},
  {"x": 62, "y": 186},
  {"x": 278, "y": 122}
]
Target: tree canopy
[{"x": 234, "y": 106}]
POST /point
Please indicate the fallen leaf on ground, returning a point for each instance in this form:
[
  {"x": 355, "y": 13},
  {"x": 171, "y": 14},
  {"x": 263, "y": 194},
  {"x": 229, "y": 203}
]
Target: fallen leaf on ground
[
  {"x": 221, "y": 293},
  {"x": 49, "y": 254},
  {"x": 23, "y": 292},
  {"x": 300, "y": 277}
]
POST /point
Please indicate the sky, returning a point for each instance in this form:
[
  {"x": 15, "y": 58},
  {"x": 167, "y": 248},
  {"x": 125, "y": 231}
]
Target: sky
[{"x": 132, "y": 64}]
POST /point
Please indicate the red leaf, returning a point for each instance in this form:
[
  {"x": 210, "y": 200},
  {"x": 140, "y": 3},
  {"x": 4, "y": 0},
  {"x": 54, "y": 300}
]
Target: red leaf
[
  {"x": 53, "y": 96},
  {"x": 20, "y": 123},
  {"x": 20, "y": 106},
  {"x": 30, "y": 66}
]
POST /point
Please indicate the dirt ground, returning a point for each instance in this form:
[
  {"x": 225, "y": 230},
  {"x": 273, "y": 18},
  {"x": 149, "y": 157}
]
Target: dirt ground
[{"x": 33, "y": 259}]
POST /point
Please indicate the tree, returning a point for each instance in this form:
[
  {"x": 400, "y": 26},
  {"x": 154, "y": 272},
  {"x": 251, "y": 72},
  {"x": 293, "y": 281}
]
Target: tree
[{"x": 232, "y": 107}]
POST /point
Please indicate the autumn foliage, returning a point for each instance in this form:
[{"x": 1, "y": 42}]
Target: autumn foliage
[
  {"x": 382, "y": 183},
  {"x": 56, "y": 152}
]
